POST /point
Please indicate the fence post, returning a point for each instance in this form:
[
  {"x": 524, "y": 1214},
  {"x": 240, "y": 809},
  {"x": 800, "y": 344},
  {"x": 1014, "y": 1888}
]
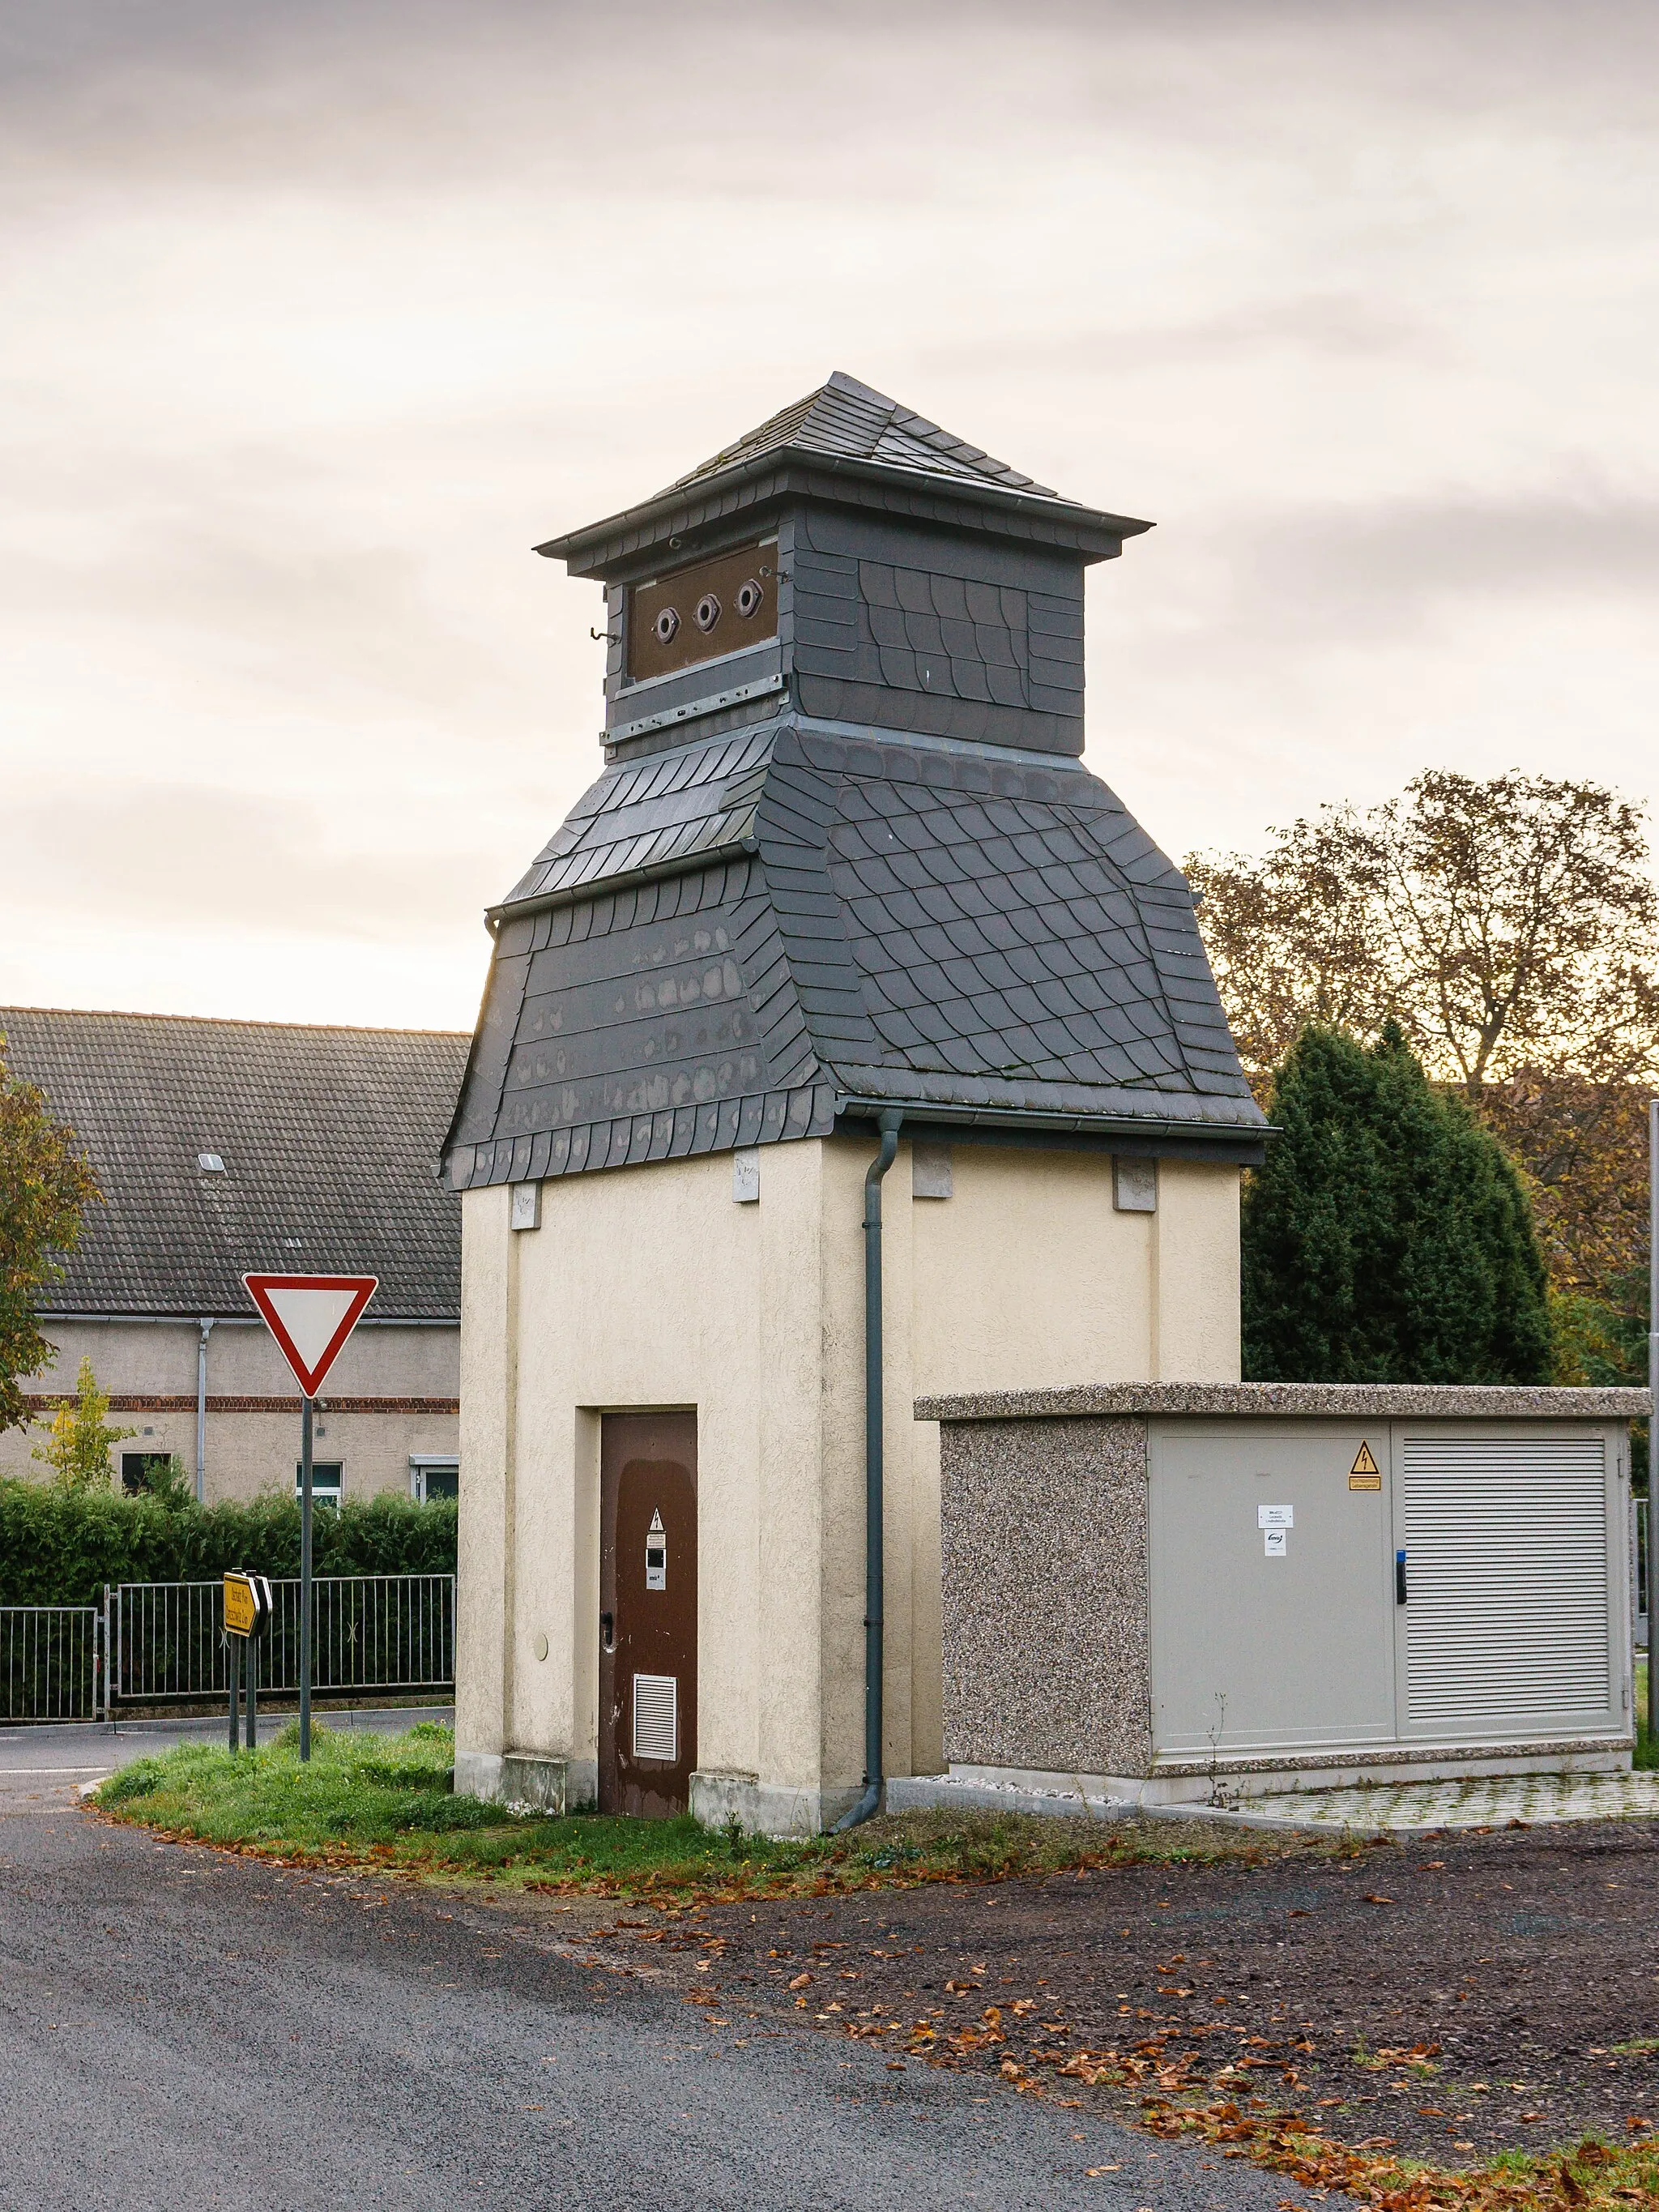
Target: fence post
[{"x": 109, "y": 1665}]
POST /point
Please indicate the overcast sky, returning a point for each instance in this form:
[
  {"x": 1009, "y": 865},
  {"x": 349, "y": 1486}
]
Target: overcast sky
[{"x": 317, "y": 317}]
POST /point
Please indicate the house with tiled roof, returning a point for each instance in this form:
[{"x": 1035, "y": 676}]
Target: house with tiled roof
[
  {"x": 844, "y": 915},
  {"x": 225, "y": 1147}
]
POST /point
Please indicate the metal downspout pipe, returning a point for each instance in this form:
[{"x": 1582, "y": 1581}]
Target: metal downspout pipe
[
  {"x": 201, "y": 1412},
  {"x": 874, "y": 1563}
]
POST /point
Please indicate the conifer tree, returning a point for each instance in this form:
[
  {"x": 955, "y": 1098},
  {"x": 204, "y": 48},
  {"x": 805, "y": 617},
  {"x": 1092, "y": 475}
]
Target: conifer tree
[{"x": 1388, "y": 1238}]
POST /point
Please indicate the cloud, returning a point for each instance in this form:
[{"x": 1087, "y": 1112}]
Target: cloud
[
  {"x": 187, "y": 858},
  {"x": 319, "y": 315},
  {"x": 1363, "y": 570}
]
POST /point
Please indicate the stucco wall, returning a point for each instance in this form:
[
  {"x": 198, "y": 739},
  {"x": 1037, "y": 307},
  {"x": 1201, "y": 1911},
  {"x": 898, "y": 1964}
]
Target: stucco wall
[
  {"x": 650, "y": 1287},
  {"x": 382, "y": 1360},
  {"x": 248, "y": 1451}
]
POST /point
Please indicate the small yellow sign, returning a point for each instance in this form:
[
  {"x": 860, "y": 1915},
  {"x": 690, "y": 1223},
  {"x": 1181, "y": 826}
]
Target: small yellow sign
[
  {"x": 241, "y": 1607},
  {"x": 1364, "y": 1473}
]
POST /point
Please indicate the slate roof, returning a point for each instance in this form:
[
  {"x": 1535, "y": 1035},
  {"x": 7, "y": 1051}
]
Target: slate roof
[
  {"x": 874, "y": 450},
  {"x": 845, "y": 421},
  {"x": 327, "y": 1136},
  {"x": 740, "y": 939}
]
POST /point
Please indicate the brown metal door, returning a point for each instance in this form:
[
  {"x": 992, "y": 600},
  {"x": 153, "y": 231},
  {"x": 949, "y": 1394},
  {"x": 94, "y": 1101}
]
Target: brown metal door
[{"x": 647, "y": 1612}]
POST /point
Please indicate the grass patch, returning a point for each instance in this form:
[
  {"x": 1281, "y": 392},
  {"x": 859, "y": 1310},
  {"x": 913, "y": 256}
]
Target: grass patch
[
  {"x": 1647, "y": 1752},
  {"x": 386, "y": 1801}
]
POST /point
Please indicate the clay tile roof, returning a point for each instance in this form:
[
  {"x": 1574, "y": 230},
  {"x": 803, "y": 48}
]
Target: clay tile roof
[{"x": 328, "y": 1139}]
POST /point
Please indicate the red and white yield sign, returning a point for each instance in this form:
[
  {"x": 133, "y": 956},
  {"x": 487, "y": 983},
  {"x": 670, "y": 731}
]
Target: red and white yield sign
[{"x": 310, "y": 1317}]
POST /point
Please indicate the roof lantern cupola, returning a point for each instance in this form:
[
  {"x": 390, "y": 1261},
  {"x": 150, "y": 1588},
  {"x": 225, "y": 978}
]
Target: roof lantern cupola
[
  {"x": 844, "y": 856},
  {"x": 854, "y": 559}
]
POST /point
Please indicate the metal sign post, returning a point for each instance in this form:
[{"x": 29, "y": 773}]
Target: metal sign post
[
  {"x": 311, "y": 1317},
  {"x": 1653, "y": 1392},
  {"x": 306, "y": 1413},
  {"x": 247, "y": 1609}
]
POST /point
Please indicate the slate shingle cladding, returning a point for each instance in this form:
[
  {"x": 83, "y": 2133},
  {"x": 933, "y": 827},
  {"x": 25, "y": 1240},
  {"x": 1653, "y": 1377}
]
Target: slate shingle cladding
[
  {"x": 845, "y": 420},
  {"x": 797, "y": 919},
  {"x": 327, "y": 1137},
  {"x": 859, "y": 865},
  {"x": 915, "y": 629}
]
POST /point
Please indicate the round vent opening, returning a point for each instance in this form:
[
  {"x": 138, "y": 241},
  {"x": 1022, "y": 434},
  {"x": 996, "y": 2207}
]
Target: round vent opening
[
  {"x": 708, "y": 611},
  {"x": 749, "y": 596},
  {"x": 667, "y": 626}
]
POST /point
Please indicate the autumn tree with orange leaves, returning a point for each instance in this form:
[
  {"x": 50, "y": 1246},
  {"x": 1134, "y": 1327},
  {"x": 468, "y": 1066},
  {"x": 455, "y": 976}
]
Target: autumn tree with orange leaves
[{"x": 1511, "y": 927}]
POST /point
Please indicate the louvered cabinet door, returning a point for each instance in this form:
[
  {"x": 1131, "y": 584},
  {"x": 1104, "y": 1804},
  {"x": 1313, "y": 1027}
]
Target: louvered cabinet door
[{"x": 1510, "y": 1626}]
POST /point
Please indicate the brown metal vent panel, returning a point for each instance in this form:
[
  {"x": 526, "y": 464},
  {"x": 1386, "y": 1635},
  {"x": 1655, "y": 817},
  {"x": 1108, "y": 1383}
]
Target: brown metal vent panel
[{"x": 715, "y": 607}]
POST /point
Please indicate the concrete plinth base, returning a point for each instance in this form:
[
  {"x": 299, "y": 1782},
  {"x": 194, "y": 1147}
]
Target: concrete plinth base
[
  {"x": 478, "y": 1774},
  {"x": 1110, "y": 1796},
  {"x": 531, "y": 1781},
  {"x": 1012, "y": 1789},
  {"x": 767, "y": 1808}
]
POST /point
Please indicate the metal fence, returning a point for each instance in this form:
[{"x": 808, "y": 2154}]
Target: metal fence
[
  {"x": 367, "y": 1632},
  {"x": 50, "y": 1663}
]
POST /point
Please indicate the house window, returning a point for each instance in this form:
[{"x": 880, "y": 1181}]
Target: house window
[
  {"x": 141, "y": 1470},
  {"x": 327, "y": 1481},
  {"x": 433, "y": 1475}
]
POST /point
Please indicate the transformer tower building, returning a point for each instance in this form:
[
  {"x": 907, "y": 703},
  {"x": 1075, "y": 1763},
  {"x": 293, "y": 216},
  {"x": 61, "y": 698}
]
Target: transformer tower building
[{"x": 844, "y": 927}]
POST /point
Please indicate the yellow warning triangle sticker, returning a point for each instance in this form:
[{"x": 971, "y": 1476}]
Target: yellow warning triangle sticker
[{"x": 1364, "y": 1463}]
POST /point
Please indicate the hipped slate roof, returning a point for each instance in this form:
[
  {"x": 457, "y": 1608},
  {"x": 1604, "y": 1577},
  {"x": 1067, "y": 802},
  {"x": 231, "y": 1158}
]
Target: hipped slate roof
[
  {"x": 845, "y": 421},
  {"x": 736, "y": 941},
  {"x": 327, "y": 1137},
  {"x": 843, "y": 432}
]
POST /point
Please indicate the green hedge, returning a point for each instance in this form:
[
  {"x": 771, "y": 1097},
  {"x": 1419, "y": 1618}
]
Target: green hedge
[{"x": 61, "y": 1547}]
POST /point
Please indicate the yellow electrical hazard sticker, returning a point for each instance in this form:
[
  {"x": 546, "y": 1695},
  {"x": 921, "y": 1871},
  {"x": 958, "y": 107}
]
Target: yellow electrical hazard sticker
[{"x": 1364, "y": 1473}]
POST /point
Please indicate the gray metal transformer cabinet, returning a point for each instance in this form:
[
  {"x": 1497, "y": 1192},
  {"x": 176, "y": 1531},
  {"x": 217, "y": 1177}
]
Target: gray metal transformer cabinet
[{"x": 1168, "y": 1593}]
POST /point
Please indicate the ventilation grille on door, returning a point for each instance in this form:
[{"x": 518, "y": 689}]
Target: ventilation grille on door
[
  {"x": 1506, "y": 1542},
  {"x": 656, "y": 1717}
]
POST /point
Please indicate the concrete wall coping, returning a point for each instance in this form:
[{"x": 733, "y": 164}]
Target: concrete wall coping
[{"x": 1292, "y": 1400}]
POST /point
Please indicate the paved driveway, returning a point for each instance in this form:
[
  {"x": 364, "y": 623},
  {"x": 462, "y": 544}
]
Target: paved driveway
[{"x": 181, "y": 2028}]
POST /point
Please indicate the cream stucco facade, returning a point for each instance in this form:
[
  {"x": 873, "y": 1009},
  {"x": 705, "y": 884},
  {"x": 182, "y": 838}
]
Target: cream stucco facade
[
  {"x": 390, "y": 1401},
  {"x": 652, "y": 1287}
]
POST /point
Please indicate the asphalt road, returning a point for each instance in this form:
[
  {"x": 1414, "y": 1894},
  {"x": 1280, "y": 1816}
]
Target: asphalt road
[{"x": 182, "y": 2028}]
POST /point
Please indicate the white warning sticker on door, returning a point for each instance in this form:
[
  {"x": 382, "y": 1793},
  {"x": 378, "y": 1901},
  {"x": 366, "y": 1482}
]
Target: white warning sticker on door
[
  {"x": 1275, "y": 1542},
  {"x": 1275, "y": 1516}
]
